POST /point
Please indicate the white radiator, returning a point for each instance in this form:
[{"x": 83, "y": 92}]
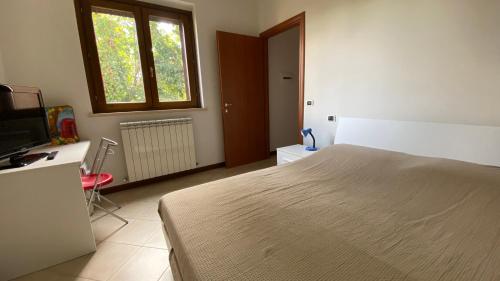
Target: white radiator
[{"x": 157, "y": 148}]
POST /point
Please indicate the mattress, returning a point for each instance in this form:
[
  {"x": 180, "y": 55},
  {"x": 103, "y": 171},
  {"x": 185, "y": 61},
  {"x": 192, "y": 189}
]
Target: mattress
[{"x": 345, "y": 213}]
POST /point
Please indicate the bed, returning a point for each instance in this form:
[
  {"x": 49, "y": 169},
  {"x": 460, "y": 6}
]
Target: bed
[{"x": 346, "y": 213}]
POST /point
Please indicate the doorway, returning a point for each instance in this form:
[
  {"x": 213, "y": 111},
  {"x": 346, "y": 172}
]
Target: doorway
[
  {"x": 245, "y": 93},
  {"x": 283, "y": 88},
  {"x": 285, "y": 71}
]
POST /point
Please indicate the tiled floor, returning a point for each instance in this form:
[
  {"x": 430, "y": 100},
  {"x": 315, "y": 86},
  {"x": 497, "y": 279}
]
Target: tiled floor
[{"x": 136, "y": 251}]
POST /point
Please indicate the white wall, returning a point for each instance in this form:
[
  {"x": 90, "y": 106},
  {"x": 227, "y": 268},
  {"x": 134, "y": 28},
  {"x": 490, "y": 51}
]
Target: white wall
[
  {"x": 283, "y": 53},
  {"x": 414, "y": 60},
  {"x": 41, "y": 47}
]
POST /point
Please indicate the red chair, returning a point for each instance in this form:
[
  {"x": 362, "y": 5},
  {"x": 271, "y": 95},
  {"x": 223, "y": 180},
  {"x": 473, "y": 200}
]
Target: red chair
[{"x": 97, "y": 180}]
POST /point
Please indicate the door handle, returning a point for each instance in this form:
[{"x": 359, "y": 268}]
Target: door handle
[{"x": 226, "y": 107}]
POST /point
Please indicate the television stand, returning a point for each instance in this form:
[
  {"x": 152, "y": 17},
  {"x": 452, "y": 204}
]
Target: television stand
[{"x": 21, "y": 160}]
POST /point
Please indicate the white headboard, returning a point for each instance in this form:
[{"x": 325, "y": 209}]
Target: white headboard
[{"x": 477, "y": 144}]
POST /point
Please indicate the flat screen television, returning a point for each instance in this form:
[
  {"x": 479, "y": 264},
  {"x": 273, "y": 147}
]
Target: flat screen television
[{"x": 23, "y": 121}]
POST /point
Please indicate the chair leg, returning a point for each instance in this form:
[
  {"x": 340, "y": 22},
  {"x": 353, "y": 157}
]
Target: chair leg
[
  {"x": 109, "y": 201},
  {"x": 91, "y": 209},
  {"x": 90, "y": 206},
  {"x": 91, "y": 199},
  {"x": 110, "y": 213}
]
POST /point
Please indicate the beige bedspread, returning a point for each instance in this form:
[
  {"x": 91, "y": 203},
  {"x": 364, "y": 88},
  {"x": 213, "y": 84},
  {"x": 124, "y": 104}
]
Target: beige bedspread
[{"x": 346, "y": 213}]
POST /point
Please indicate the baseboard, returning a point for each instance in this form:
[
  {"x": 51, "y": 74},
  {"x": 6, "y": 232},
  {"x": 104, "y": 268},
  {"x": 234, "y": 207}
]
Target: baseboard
[{"x": 136, "y": 184}]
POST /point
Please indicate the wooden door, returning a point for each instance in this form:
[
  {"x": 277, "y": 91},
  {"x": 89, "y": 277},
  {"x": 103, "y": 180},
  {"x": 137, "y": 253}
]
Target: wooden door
[{"x": 243, "y": 97}]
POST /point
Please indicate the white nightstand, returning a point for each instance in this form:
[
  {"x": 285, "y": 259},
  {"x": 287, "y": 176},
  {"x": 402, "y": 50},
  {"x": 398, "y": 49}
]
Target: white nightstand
[{"x": 292, "y": 153}]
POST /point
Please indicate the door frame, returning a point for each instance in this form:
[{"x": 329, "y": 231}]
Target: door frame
[{"x": 300, "y": 21}]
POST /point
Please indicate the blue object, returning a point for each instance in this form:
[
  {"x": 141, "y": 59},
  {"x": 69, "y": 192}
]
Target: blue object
[{"x": 307, "y": 132}]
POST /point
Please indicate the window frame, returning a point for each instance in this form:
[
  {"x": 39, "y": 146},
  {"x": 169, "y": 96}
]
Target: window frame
[{"x": 142, "y": 12}]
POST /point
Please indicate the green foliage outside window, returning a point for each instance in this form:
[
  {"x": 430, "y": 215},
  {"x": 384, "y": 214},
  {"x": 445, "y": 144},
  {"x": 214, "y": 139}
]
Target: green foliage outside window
[
  {"x": 118, "y": 49},
  {"x": 120, "y": 61},
  {"x": 169, "y": 65}
]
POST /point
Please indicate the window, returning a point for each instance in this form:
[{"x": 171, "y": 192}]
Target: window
[{"x": 138, "y": 56}]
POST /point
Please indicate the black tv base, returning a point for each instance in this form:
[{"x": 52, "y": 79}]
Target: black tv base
[{"x": 18, "y": 161}]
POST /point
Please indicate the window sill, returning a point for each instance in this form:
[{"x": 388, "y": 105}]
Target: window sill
[{"x": 146, "y": 112}]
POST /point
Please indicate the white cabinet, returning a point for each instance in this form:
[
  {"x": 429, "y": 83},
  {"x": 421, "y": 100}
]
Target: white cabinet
[{"x": 292, "y": 153}]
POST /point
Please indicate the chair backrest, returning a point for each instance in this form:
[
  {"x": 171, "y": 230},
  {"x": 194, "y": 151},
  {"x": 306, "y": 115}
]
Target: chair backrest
[{"x": 102, "y": 152}]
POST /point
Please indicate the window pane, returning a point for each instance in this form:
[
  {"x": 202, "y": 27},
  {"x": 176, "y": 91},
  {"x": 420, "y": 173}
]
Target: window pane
[
  {"x": 169, "y": 56},
  {"x": 119, "y": 56}
]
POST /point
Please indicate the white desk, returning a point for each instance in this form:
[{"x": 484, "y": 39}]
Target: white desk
[{"x": 43, "y": 215}]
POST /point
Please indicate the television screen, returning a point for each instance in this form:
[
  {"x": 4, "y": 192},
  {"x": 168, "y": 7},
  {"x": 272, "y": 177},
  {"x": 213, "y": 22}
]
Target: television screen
[{"x": 23, "y": 122}]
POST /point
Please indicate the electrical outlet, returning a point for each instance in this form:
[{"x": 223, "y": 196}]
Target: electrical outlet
[{"x": 332, "y": 118}]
